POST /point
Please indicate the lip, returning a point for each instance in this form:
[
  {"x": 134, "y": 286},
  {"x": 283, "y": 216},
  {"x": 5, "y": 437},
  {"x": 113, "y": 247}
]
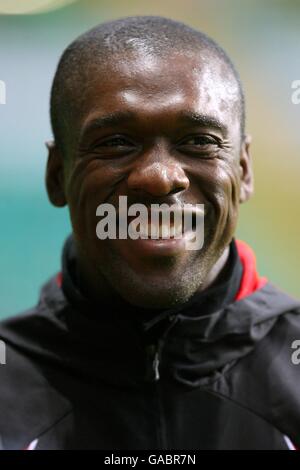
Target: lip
[{"x": 157, "y": 247}]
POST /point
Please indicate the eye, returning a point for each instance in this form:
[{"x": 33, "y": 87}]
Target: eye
[
  {"x": 200, "y": 140},
  {"x": 203, "y": 145},
  {"x": 114, "y": 146},
  {"x": 117, "y": 141}
]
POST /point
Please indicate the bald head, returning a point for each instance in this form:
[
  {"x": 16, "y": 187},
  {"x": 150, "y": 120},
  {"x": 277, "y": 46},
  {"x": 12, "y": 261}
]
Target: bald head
[{"x": 147, "y": 35}]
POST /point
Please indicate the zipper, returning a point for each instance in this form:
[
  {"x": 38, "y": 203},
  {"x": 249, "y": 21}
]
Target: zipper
[
  {"x": 156, "y": 366},
  {"x": 153, "y": 376},
  {"x": 154, "y": 354},
  {"x": 153, "y": 363}
]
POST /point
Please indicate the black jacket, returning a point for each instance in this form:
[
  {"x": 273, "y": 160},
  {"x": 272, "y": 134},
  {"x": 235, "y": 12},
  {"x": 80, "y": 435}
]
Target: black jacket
[{"x": 216, "y": 373}]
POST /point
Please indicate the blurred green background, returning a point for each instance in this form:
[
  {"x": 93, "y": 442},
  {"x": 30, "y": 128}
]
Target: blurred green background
[{"x": 262, "y": 38}]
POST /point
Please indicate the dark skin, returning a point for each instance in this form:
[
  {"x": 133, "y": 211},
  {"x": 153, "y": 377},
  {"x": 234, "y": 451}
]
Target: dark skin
[{"x": 178, "y": 140}]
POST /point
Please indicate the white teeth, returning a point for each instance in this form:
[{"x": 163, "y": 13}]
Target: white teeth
[
  {"x": 154, "y": 231},
  {"x": 143, "y": 232},
  {"x": 164, "y": 231},
  {"x": 178, "y": 230},
  {"x": 172, "y": 231}
]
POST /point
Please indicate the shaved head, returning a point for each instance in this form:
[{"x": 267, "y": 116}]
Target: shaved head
[{"x": 150, "y": 36}]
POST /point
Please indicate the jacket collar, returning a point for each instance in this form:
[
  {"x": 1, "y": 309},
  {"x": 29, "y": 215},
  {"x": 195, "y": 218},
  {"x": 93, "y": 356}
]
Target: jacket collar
[
  {"x": 190, "y": 345},
  {"x": 212, "y": 299}
]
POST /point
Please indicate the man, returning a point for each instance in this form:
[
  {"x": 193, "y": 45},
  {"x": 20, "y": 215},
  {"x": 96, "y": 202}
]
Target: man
[{"x": 142, "y": 343}]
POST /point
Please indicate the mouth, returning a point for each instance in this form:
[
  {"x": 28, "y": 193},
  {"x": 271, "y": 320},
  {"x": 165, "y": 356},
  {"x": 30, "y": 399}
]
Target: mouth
[
  {"x": 163, "y": 235},
  {"x": 158, "y": 226}
]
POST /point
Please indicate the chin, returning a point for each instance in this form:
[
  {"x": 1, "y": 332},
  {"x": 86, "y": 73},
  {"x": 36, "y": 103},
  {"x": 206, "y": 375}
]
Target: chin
[
  {"x": 165, "y": 294},
  {"x": 156, "y": 288},
  {"x": 162, "y": 301}
]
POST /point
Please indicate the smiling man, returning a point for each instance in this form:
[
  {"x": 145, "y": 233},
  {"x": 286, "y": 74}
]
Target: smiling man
[{"x": 140, "y": 342}]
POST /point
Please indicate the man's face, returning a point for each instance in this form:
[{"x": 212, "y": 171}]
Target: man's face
[{"x": 173, "y": 136}]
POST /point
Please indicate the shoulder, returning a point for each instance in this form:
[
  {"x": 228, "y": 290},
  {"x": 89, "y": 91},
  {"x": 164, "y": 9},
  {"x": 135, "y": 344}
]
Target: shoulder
[
  {"x": 28, "y": 403},
  {"x": 267, "y": 380}
]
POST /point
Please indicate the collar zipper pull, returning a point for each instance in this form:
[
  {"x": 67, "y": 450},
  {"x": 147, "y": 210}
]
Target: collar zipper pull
[
  {"x": 153, "y": 362},
  {"x": 156, "y": 366}
]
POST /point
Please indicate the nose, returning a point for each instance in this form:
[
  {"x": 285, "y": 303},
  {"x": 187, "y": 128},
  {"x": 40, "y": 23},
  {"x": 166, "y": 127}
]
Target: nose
[{"x": 157, "y": 175}]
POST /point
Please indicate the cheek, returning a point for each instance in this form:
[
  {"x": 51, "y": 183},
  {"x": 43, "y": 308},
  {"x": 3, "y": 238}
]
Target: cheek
[
  {"x": 229, "y": 188},
  {"x": 222, "y": 192},
  {"x": 88, "y": 188},
  {"x": 230, "y": 182}
]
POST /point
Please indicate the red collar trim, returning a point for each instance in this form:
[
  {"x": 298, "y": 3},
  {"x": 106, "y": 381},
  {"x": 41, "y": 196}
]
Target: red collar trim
[
  {"x": 59, "y": 279},
  {"x": 251, "y": 281}
]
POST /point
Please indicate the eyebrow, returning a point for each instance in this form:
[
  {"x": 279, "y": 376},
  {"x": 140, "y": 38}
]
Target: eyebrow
[
  {"x": 108, "y": 120},
  {"x": 204, "y": 120},
  {"x": 120, "y": 117}
]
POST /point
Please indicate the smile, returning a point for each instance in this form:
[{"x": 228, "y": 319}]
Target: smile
[{"x": 158, "y": 223}]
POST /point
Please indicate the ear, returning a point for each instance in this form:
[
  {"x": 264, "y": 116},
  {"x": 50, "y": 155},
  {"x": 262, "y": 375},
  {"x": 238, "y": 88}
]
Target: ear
[
  {"x": 55, "y": 176},
  {"x": 246, "y": 171}
]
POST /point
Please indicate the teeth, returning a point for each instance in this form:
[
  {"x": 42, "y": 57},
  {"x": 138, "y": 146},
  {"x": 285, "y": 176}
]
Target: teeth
[
  {"x": 144, "y": 232},
  {"x": 157, "y": 231},
  {"x": 154, "y": 231},
  {"x": 178, "y": 230},
  {"x": 172, "y": 231},
  {"x": 181, "y": 223},
  {"x": 164, "y": 231}
]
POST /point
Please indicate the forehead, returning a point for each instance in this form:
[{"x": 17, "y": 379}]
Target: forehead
[{"x": 155, "y": 87}]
